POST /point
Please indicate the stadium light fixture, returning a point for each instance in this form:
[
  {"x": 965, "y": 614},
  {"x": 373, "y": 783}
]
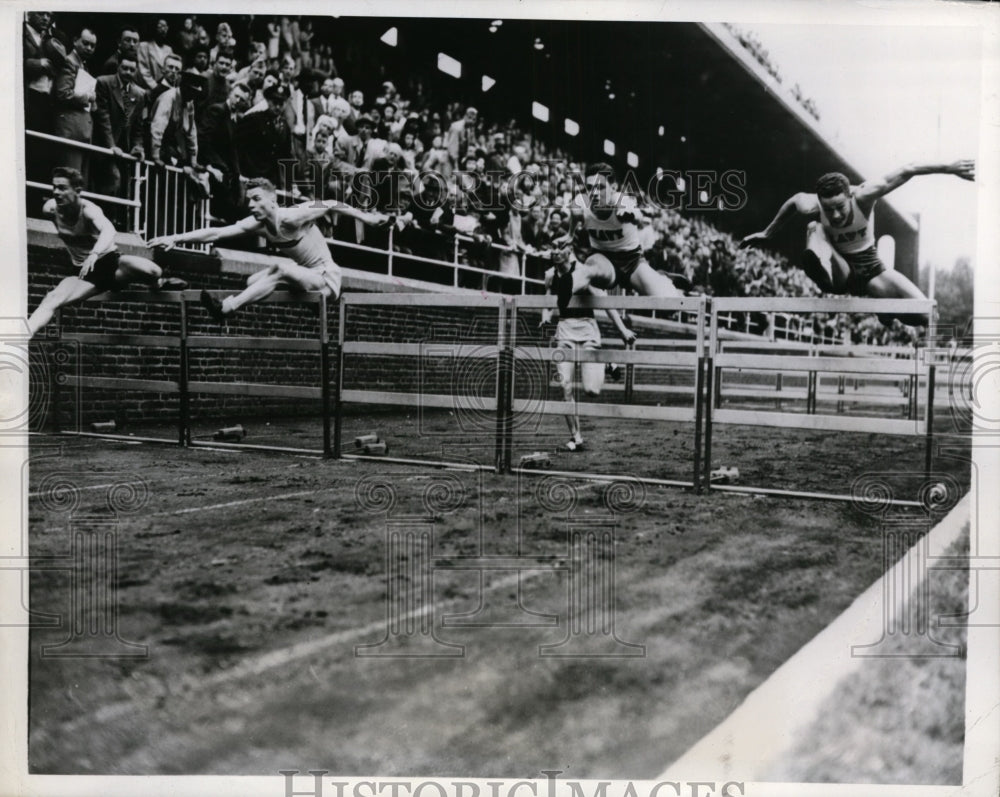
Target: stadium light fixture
[
  {"x": 496, "y": 23},
  {"x": 632, "y": 159},
  {"x": 571, "y": 127},
  {"x": 539, "y": 111},
  {"x": 449, "y": 65},
  {"x": 391, "y": 37},
  {"x": 538, "y": 44},
  {"x": 488, "y": 82},
  {"x": 493, "y": 28},
  {"x": 609, "y": 147},
  {"x": 661, "y": 131}
]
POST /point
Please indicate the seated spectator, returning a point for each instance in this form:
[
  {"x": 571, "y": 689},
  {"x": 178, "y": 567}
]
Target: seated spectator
[
  {"x": 224, "y": 41},
  {"x": 326, "y": 97},
  {"x": 198, "y": 61},
  {"x": 187, "y": 38}
]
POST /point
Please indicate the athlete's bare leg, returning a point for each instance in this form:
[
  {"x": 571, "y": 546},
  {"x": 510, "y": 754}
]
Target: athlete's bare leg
[
  {"x": 649, "y": 282},
  {"x": 69, "y": 291},
  {"x": 893, "y": 285},
  {"x": 596, "y": 270},
  {"x": 132, "y": 268},
  {"x": 821, "y": 262}
]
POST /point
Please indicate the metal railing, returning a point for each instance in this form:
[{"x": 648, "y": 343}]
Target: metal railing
[
  {"x": 161, "y": 201},
  {"x": 161, "y": 198}
]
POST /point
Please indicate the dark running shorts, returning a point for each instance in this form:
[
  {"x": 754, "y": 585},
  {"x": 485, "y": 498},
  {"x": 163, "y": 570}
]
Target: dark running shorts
[
  {"x": 624, "y": 263},
  {"x": 865, "y": 266},
  {"x": 103, "y": 273}
]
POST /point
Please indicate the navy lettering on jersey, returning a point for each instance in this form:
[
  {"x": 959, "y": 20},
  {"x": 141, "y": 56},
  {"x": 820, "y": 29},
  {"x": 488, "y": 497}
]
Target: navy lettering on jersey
[{"x": 847, "y": 237}]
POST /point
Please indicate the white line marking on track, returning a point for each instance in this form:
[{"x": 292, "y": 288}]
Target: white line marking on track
[
  {"x": 288, "y": 655},
  {"x": 241, "y": 502},
  {"x": 81, "y": 489}
]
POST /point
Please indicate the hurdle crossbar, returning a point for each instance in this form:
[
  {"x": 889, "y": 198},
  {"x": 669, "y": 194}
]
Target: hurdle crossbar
[
  {"x": 666, "y": 356},
  {"x": 822, "y": 359},
  {"x": 184, "y": 341},
  {"x": 431, "y": 349}
]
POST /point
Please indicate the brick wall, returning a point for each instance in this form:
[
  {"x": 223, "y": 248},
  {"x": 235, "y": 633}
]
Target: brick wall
[{"x": 48, "y": 263}]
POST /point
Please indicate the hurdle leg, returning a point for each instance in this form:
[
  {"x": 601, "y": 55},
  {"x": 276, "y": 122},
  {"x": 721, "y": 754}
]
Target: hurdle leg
[
  {"x": 929, "y": 418},
  {"x": 55, "y": 382},
  {"x": 699, "y": 402},
  {"x": 338, "y": 382},
  {"x": 324, "y": 375},
  {"x": 184, "y": 410},
  {"x": 710, "y": 372}
]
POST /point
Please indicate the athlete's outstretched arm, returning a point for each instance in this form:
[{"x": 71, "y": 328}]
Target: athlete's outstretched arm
[
  {"x": 870, "y": 190},
  {"x": 800, "y": 204},
  {"x": 206, "y": 235},
  {"x": 311, "y": 211}
]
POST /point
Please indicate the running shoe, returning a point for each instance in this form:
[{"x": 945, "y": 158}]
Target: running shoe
[{"x": 213, "y": 306}]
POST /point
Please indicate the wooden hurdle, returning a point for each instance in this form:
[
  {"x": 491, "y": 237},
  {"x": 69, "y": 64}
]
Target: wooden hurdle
[
  {"x": 705, "y": 355},
  {"x": 630, "y": 357},
  {"x": 184, "y": 387},
  {"x": 430, "y": 348},
  {"x": 812, "y": 364}
]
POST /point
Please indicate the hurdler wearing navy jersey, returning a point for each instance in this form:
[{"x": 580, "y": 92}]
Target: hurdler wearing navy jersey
[
  {"x": 290, "y": 230},
  {"x": 841, "y": 255},
  {"x": 90, "y": 240},
  {"x": 611, "y": 220}
]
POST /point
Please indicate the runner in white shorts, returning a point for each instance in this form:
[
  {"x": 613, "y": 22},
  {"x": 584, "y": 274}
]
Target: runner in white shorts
[
  {"x": 292, "y": 230},
  {"x": 578, "y": 329}
]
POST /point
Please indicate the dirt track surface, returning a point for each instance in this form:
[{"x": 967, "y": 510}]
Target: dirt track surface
[{"x": 253, "y": 579}]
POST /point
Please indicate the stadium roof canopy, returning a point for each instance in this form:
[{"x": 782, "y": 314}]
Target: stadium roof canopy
[{"x": 681, "y": 96}]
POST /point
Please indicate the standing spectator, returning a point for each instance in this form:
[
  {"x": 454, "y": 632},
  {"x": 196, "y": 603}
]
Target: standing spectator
[
  {"x": 117, "y": 121},
  {"x": 173, "y": 129},
  {"x": 73, "y": 100},
  {"x": 35, "y": 36},
  {"x": 462, "y": 136},
  {"x": 128, "y": 45},
  {"x": 265, "y": 140},
  {"x": 170, "y": 79},
  {"x": 152, "y": 56},
  {"x": 217, "y": 150},
  {"x": 216, "y": 84}
]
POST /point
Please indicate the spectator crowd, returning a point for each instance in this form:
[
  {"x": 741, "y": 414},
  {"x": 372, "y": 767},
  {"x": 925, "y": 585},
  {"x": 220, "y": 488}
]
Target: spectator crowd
[{"x": 263, "y": 97}]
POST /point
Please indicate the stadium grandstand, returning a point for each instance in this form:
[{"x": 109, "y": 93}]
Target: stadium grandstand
[{"x": 695, "y": 116}]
